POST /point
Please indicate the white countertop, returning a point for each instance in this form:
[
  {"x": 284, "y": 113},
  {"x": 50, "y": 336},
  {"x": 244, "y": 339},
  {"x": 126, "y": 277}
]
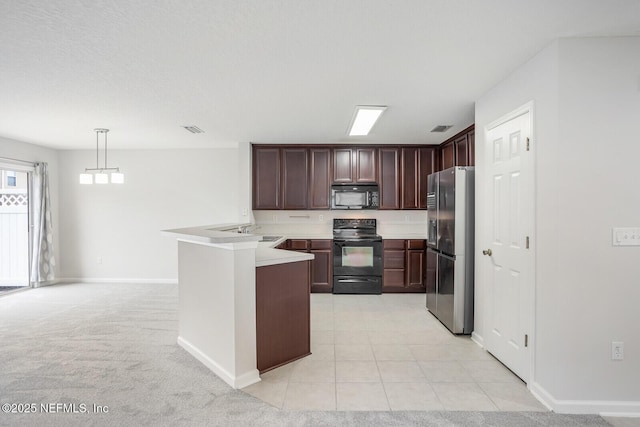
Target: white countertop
[{"x": 266, "y": 254}]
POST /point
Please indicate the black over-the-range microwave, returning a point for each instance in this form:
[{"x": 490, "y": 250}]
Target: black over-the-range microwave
[{"x": 359, "y": 196}]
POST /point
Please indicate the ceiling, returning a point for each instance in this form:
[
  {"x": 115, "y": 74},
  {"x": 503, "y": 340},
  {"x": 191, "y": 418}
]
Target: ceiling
[{"x": 268, "y": 70}]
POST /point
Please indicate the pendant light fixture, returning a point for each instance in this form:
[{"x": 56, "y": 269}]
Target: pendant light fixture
[{"x": 100, "y": 175}]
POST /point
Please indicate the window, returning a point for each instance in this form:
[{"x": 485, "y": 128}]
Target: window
[{"x": 11, "y": 179}]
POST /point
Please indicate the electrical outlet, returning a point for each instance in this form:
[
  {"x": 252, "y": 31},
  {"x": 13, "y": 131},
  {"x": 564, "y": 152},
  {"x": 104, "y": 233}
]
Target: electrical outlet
[
  {"x": 99, "y": 260},
  {"x": 245, "y": 212},
  {"x": 320, "y": 218},
  {"x": 617, "y": 350},
  {"x": 275, "y": 218},
  {"x": 407, "y": 218}
]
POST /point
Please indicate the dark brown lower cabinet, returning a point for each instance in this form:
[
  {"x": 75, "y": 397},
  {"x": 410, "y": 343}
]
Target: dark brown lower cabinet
[
  {"x": 282, "y": 314},
  {"x": 321, "y": 267},
  {"x": 404, "y": 266}
]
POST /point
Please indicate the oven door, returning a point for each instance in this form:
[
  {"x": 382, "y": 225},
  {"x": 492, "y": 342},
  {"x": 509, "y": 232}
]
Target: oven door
[{"x": 357, "y": 258}]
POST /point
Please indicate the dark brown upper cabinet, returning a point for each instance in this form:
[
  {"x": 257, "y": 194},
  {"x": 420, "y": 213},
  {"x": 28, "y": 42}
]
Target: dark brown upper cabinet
[
  {"x": 417, "y": 164},
  {"x": 365, "y": 165},
  {"x": 462, "y": 151},
  {"x": 390, "y": 180},
  {"x": 448, "y": 155},
  {"x": 320, "y": 178},
  {"x": 342, "y": 165},
  {"x": 295, "y": 172},
  {"x": 458, "y": 150},
  {"x": 266, "y": 178},
  {"x": 354, "y": 165},
  {"x": 410, "y": 181},
  {"x": 429, "y": 163},
  {"x": 471, "y": 141}
]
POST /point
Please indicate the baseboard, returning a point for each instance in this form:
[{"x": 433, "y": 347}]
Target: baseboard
[
  {"x": 117, "y": 280},
  {"x": 240, "y": 381},
  {"x": 477, "y": 339},
  {"x": 600, "y": 407}
]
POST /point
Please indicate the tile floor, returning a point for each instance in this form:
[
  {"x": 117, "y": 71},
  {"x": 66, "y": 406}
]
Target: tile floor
[{"x": 387, "y": 352}]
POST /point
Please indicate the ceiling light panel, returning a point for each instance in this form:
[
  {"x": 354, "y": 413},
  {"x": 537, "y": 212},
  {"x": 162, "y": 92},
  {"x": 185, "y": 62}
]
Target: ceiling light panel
[{"x": 364, "y": 118}]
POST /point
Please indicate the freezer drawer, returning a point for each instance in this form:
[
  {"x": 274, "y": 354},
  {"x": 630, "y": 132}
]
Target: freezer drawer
[
  {"x": 450, "y": 291},
  {"x": 432, "y": 280}
]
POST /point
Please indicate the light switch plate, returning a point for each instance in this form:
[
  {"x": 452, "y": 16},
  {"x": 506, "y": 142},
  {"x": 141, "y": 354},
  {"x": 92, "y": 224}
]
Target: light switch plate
[{"x": 628, "y": 236}]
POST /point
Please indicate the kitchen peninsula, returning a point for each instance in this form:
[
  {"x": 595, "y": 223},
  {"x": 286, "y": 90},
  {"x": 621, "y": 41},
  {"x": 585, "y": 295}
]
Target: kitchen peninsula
[{"x": 231, "y": 311}]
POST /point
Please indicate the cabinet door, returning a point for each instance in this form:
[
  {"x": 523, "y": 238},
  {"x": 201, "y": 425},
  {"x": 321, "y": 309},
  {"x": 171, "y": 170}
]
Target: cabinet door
[
  {"x": 365, "y": 165},
  {"x": 389, "y": 174},
  {"x": 342, "y": 165},
  {"x": 320, "y": 183},
  {"x": 294, "y": 178},
  {"x": 428, "y": 165},
  {"x": 416, "y": 269},
  {"x": 266, "y": 178},
  {"x": 321, "y": 270},
  {"x": 410, "y": 171},
  {"x": 471, "y": 145},
  {"x": 448, "y": 155},
  {"x": 394, "y": 262},
  {"x": 461, "y": 151}
]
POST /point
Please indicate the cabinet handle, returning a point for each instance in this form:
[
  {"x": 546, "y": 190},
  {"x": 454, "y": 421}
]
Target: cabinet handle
[{"x": 487, "y": 252}]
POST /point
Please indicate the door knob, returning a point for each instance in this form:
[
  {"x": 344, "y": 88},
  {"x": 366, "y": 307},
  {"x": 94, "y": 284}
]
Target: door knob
[{"x": 487, "y": 252}]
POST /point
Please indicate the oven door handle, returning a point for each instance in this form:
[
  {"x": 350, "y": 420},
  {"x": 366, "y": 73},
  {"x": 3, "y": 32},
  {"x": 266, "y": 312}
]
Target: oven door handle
[{"x": 356, "y": 280}]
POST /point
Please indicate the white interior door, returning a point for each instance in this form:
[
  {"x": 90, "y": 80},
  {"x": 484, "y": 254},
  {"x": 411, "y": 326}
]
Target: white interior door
[{"x": 508, "y": 246}]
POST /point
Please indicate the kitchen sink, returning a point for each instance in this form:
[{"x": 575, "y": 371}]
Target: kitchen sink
[{"x": 270, "y": 238}]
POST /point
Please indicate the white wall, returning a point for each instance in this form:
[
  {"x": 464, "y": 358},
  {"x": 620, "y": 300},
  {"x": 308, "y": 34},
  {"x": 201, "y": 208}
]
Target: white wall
[
  {"x": 34, "y": 153},
  {"x": 121, "y": 224},
  {"x": 587, "y": 105}
]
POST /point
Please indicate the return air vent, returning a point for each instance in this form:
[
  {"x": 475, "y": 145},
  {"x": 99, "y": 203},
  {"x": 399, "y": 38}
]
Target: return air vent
[
  {"x": 441, "y": 128},
  {"x": 193, "y": 129}
]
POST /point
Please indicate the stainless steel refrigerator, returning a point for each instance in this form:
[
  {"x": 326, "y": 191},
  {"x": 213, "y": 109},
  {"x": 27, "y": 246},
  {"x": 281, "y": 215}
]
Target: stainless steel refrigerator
[{"x": 450, "y": 217}]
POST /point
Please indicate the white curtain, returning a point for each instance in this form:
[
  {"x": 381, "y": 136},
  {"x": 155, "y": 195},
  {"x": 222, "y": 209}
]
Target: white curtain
[{"x": 42, "y": 259}]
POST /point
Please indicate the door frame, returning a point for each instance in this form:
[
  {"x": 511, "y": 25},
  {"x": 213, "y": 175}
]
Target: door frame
[{"x": 531, "y": 280}]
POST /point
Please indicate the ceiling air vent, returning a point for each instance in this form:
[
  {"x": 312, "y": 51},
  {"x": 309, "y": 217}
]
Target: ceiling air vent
[
  {"x": 193, "y": 129},
  {"x": 441, "y": 128}
]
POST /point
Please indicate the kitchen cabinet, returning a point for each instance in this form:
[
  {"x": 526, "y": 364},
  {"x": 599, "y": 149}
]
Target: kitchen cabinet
[
  {"x": 458, "y": 150},
  {"x": 342, "y": 165},
  {"x": 448, "y": 155},
  {"x": 320, "y": 178},
  {"x": 429, "y": 163},
  {"x": 417, "y": 164},
  {"x": 416, "y": 265},
  {"x": 462, "y": 151},
  {"x": 354, "y": 165},
  {"x": 299, "y": 177},
  {"x": 394, "y": 264},
  {"x": 294, "y": 178},
  {"x": 321, "y": 267},
  {"x": 390, "y": 180},
  {"x": 282, "y": 314},
  {"x": 365, "y": 165},
  {"x": 471, "y": 142},
  {"x": 404, "y": 265},
  {"x": 266, "y": 178},
  {"x": 291, "y": 178}
]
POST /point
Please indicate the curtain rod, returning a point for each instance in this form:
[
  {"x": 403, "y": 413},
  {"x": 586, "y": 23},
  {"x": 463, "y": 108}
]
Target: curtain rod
[{"x": 18, "y": 160}]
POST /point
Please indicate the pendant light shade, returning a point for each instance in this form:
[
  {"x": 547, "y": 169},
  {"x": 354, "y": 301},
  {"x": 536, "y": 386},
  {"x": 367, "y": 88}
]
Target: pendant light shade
[{"x": 100, "y": 175}]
